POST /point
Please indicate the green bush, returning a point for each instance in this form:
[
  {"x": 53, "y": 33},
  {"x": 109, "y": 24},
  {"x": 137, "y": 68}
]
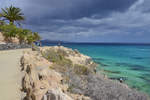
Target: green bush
[
  {"x": 14, "y": 14},
  {"x": 63, "y": 64},
  {"x": 2, "y": 23},
  {"x": 62, "y": 52},
  {"x": 24, "y": 35},
  {"x": 56, "y": 56},
  {"x": 59, "y": 60},
  {"x": 52, "y": 56},
  {"x": 36, "y": 36},
  {"x": 30, "y": 38},
  {"x": 9, "y": 31},
  {"x": 81, "y": 69}
]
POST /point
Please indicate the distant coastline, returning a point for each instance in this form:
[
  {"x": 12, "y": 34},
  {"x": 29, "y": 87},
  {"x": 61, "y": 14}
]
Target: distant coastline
[{"x": 102, "y": 43}]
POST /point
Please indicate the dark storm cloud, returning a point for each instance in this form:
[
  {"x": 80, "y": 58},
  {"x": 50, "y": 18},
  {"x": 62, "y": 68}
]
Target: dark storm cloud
[
  {"x": 45, "y": 10},
  {"x": 87, "y": 20},
  {"x": 74, "y": 9}
]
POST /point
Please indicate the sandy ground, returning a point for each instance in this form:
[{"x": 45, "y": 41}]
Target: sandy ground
[{"x": 10, "y": 75}]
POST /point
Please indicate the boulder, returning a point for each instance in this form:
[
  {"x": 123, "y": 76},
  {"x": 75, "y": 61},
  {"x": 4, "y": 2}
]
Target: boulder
[
  {"x": 56, "y": 94},
  {"x": 39, "y": 80}
]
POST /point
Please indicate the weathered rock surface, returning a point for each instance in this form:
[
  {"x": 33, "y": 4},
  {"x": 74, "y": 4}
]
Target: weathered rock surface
[
  {"x": 41, "y": 82},
  {"x": 56, "y": 94},
  {"x": 96, "y": 86},
  {"x": 73, "y": 55}
]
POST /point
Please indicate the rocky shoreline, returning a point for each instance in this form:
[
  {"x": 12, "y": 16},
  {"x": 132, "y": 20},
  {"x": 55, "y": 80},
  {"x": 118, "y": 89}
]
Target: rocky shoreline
[{"x": 59, "y": 73}]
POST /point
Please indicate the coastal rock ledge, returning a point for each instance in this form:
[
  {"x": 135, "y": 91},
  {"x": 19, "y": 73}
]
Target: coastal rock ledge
[{"x": 59, "y": 73}]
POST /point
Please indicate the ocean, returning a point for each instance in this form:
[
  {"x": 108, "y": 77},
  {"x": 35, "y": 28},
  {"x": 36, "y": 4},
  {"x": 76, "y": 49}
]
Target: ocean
[{"x": 131, "y": 62}]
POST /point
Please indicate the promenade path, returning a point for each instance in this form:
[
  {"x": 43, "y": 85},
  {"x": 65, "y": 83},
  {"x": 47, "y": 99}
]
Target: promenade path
[{"x": 10, "y": 75}]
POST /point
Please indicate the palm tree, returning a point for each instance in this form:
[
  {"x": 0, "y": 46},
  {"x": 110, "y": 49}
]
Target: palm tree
[{"x": 12, "y": 14}]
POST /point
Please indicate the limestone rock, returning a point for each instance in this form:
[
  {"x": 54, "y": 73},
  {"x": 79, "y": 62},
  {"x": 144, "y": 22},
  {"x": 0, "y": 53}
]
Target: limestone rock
[
  {"x": 39, "y": 79},
  {"x": 56, "y": 94},
  {"x": 42, "y": 83},
  {"x": 73, "y": 55}
]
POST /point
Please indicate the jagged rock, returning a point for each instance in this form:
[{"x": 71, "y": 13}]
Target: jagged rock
[
  {"x": 38, "y": 78},
  {"x": 73, "y": 55},
  {"x": 56, "y": 94},
  {"x": 100, "y": 88},
  {"x": 42, "y": 82}
]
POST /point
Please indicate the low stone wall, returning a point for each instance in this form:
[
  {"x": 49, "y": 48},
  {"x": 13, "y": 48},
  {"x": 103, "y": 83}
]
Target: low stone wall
[{"x": 9, "y": 46}]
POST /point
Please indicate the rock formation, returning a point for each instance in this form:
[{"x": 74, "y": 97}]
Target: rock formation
[
  {"x": 59, "y": 73},
  {"x": 42, "y": 83}
]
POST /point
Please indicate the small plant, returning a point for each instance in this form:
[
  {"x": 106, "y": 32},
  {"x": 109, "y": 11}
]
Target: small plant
[
  {"x": 51, "y": 67},
  {"x": 52, "y": 56},
  {"x": 56, "y": 57},
  {"x": 22, "y": 35},
  {"x": 59, "y": 60},
  {"x": 62, "y": 52},
  {"x": 81, "y": 69},
  {"x": 2, "y": 23},
  {"x": 36, "y": 36},
  {"x": 30, "y": 38}
]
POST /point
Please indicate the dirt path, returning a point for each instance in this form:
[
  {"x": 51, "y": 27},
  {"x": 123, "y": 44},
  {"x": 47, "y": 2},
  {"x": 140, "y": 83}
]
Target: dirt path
[{"x": 10, "y": 75}]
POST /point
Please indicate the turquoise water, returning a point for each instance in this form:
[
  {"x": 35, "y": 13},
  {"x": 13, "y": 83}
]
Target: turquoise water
[{"x": 131, "y": 62}]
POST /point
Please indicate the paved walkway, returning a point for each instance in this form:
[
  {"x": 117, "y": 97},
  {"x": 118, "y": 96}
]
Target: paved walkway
[{"x": 10, "y": 75}]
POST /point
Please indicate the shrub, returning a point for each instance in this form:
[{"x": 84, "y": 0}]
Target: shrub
[
  {"x": 62, "y": 52},
  {"x": 9, "y": 31},
  {"x": 60, "y": 62},
  {"x": 22, "y": 35},
  {"x": 36, "y": 36},
  {"x": 81, "y": 69},
  {"x": 56, "y": 56},
  {"x": 2, "y": 23},
  {"x": 30, "y": 38},
  {"x": 52, "y": 56}
]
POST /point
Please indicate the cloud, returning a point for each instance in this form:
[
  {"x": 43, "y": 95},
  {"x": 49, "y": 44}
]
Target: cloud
[{"x": 87, "y": 20}]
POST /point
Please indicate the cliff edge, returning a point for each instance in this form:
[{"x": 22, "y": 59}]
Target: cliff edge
[{"x": 59, "y": 73}]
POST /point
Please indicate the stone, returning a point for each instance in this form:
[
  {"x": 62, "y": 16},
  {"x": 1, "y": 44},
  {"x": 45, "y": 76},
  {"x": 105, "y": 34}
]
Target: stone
[
  {"x": 56, "y": 94},
  {"x": 38, "y": 78},
  {"x": 41, "y": 82}
]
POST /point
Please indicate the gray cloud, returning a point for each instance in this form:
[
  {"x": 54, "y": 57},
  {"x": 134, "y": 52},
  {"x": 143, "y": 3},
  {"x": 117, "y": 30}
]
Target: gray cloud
[{"x": 88, "y": 20}]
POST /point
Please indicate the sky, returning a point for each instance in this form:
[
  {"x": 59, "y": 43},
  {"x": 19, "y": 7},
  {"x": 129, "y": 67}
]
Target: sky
[{"x": 87, "y": 20}]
